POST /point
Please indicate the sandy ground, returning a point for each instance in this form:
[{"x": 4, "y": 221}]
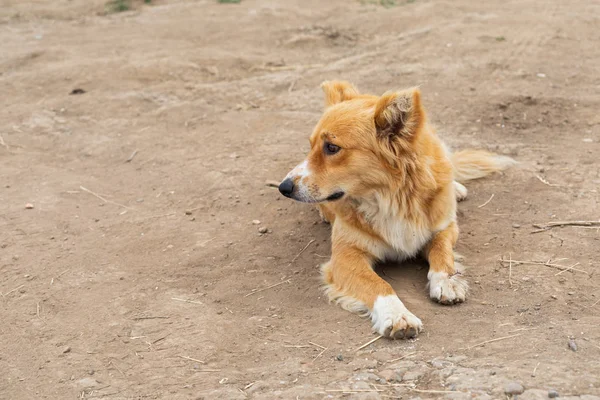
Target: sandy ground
[{"x": 146, "y": 289}]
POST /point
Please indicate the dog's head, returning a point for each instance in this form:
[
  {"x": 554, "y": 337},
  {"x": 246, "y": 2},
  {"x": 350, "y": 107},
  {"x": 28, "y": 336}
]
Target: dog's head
[{"x": 357, "y": 145}]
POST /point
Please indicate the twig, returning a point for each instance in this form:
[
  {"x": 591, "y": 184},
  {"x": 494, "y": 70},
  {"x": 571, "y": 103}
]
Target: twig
[
  {"x": 187, "y": 301},
  {"x": 490, "y": 341},
  {"x": 567, "y": 269},
  {"x": 192, "y": 359},
  {"x": 403, "y": 357},
  {"x": 131, "y": 156},
  {"x": 369, "y": 342},
  {"x": 291, "y": 87},
  {"x": 318, "y": 345},
  {"x": 354, "y": 390},
  {"x": 248, "y": 386},
  {"x": 15, "y": 289},
  {"x": 510, "y": 269},
  {"x": 268, "y": 287},
  {"x": 487, "y": 202},
  {"x": 522, "y": 329},
  {"x": 273, "y": 184},
  {"x": 156, "y": 317},
  {"x": 432, "y": 391},
  {"x": 59, "y": 275},
  {"x": 103, "y": 199},
  {"x": 545, "y": 182},
  {"x": 302, "y": 251},
  {"x": 593, "y": 304},
  {"x": 550, "y": 225},
  {"x": 300, "y": 346},
  {"x": 544, "y": 263},
  {"x": 320, "y": 354},
  {"x": 535, "y": 369},
  {"x": 206, "y": 370},
  {"x": 38, "y": 309}
]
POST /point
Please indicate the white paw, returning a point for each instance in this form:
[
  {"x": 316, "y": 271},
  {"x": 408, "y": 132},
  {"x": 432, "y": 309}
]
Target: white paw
[
  {"x": 447, "y": 289},
  {"x": 460, "y": 191},
  {"x": 391, "y": 319}
]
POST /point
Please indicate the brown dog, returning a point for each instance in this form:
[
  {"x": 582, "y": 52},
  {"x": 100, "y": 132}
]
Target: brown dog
[{"x": 389, "y": 187}]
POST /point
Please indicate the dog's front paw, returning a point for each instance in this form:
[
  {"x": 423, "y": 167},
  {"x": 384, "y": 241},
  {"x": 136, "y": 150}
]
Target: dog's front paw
[
  {"x": 446, "y": 289},
  {"x": 392, "y": 319}
]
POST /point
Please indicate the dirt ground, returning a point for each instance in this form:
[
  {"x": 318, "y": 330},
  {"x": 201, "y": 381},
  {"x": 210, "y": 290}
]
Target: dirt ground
[{"x": 139, "y": 272}]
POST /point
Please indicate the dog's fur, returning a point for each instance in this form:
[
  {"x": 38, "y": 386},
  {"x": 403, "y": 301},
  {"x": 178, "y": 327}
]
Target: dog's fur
[{"x": 390, "y": 192}]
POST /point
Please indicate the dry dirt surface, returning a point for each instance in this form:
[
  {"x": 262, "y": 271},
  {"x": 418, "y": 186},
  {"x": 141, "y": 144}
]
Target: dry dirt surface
[{"x": 131, "y": 263}]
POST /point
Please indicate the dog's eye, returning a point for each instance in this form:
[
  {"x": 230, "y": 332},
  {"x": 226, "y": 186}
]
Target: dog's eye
[{"x": 331, "y": 148}]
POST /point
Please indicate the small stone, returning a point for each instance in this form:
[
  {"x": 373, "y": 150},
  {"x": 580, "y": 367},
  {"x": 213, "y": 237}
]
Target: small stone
[
  {"x": 552, "y": 394},
  {"x": 188, "y": 212},
  {"x": 389, "y": 375},
  {"x": 513, "y": 388},
  {"x": 554, "y": 296},
  {"x": 570, "y": 293},
  {"x": 516, "y": 226},
  {"x": 339, "y": 357},
  {"x": 263, "y": 229},
  {"x": 66, "y": 349},
  {"x": 29, "y": 206},
  {"x": 140, "y": 200},
  {"x": 91, "y": 372},
  {"x": 255, "y": 222},
  {"x": 572, "y": 344}
]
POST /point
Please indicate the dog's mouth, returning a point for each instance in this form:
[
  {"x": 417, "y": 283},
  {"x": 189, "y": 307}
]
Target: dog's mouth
[{"x": 335, "y": 196}]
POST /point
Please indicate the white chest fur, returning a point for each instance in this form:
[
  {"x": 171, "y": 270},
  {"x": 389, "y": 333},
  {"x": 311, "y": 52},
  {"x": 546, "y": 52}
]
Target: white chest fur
[{"x": 403, "y": 238}]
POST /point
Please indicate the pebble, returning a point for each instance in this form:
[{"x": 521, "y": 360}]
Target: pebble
[
  {"x": 552, "y": 394},
  {"x": 517, "y": 226},
  {"x": 554, "y": 296},
  {"x": 188, "y": 212},
  {"x": 389, "y": 375},
  {"x": 513, "y": 388},
  {"x": 263, "y": 229},
  {"x": 255, "y": 222},
  {"x": 66, "y": 349},
  {"x": 29, "y": 206},
  {"x": 339, "y": 357},
  {"x": 572, "y": 344}
]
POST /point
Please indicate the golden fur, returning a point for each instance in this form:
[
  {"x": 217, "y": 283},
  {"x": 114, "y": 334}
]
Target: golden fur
[{"x": 389, "y": 187}]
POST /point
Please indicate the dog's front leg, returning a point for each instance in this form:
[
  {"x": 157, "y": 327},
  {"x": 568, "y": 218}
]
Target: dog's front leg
[
  {"x": 352, "y": 283},
  {"x": 446, "y": 285}
]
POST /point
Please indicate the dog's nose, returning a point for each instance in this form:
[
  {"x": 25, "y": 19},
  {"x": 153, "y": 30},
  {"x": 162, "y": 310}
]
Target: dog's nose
[{"x": 286, "y": 187}]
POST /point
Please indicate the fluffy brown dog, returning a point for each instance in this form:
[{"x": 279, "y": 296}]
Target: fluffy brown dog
[{"x": 389, "y": 187}]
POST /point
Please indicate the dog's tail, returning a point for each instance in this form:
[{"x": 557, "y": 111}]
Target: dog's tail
[{"x": 475, "y": 164}]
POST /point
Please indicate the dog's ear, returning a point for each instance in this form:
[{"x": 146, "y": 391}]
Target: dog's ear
[
  {"x": 338, "y": 91},
  {"x": 399, "y": 114}
]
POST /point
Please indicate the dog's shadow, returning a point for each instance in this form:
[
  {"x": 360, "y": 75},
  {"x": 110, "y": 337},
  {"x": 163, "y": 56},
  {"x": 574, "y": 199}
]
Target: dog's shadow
[{"x": 408, "y": 278}]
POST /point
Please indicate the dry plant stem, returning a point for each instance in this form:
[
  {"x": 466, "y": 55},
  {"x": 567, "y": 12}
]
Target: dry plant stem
[
  {"x": 567, "y": 269},
  {"x": 510, "y": 269},
  {"x": 131, "y": 156},
  {"x": 103, "y": 199},
  {"x": 403, "y": 357},
  {"x": 369, "y": 342},
  {"x": 544, "y": 263},
  {"x": 302, "y": 251},
  {"x": 192, "y": 359},
  {"x": 187, "y": 301},
  {"x": 487, "y": 202},
  {"x": 268, "y": 287},
  {"x": 491, "y": 341}
]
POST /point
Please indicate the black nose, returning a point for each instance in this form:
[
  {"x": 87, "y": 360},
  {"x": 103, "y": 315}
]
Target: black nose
[{"x": 286, "y": 187}]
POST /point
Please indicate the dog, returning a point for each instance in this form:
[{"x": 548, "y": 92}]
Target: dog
[{"x": 389, "y": 187}]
